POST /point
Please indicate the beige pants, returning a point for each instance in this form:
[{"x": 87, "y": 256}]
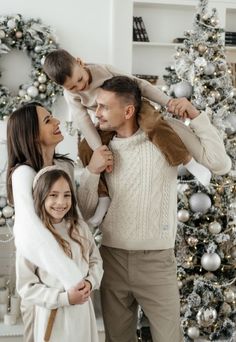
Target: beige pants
[
  {"x": 147, "y": 278},
  {"x": 27, "y": 312}
]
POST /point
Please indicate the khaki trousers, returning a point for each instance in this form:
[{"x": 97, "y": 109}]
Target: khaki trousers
[{"x": 147, "y": 278}]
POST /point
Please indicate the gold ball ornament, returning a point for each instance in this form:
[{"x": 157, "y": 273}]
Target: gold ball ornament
[
  {"x": 183, "y": 215},
  {"x": 202, "y": 48},
  {"x": 214, "y": 227}
]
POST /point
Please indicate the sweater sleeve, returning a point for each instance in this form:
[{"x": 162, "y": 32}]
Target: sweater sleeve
[
  {"x": 95, "y": 261},
  {"x": 82, "y": 120},
  {"x": 148, "y": 90},
  {"x": 87, "y": 193},
  {"x": 204, "y": 143},
  {"x": 31, "y": 289},
  {"x": 32, "y": 239}
]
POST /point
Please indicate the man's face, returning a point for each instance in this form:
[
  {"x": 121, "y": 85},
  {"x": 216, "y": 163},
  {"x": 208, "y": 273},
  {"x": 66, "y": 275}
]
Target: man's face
[{"x": 111, "y": 111}]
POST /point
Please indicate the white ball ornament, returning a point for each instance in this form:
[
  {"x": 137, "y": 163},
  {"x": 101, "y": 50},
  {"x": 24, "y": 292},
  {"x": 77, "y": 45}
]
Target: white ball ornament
[
  {"x": 193, "y": 332},
  {"x": 42, "y": 88},
  {"x": 11, "y": 24},
  {"x": 210, "y": 261},
  {"x": 183, "y": 215},
  {"x": 200, "y": 202},
  {"x": 209, "y": 69},
  {"x": 42, "y": 78},
  {"x": 2, "y": 34},
  {"x": 32, "y": 91},
  {"x": 183, "y": 89},
  {"x": 3, "y": 202},
  {"x": 22, "y": 92},
  {"x": 214, "y": 227},
  {"x": 7, "y": 211}
]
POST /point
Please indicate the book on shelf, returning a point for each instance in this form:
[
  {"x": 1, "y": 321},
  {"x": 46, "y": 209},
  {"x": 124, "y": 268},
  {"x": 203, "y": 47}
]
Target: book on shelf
[
  {"x": 230, "y": 34},
  {"x": 139, "y": 30}
]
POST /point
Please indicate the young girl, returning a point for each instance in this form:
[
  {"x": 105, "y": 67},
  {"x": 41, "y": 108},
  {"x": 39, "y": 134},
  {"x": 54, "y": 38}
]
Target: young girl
[
  {"x": 61, "y": 315},
  {"x": 81, "y": 82}
]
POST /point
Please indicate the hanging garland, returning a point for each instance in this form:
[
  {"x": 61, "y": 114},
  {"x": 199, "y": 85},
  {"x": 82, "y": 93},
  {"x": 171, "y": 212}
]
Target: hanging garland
[{"x": 36, "y": 39}]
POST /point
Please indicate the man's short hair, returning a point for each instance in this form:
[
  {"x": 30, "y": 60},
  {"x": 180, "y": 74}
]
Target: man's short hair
[{"x": 126, "y": 88}]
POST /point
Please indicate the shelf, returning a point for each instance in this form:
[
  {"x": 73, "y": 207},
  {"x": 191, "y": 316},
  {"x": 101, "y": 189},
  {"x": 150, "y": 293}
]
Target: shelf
[{"x": 149, "y": 44}]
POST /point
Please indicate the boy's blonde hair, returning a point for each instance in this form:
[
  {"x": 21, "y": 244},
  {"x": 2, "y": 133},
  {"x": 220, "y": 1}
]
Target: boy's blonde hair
[{"x": 59, "y": 65}]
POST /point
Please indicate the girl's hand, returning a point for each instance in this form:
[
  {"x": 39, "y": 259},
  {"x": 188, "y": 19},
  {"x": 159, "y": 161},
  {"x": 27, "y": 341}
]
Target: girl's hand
[
  {"x": 79, "y": 295},
  {"x": 183, "y": 108}
]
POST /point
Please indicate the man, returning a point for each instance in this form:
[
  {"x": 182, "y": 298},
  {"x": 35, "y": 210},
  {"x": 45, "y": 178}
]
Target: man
[{"x": 140, "y": 226}]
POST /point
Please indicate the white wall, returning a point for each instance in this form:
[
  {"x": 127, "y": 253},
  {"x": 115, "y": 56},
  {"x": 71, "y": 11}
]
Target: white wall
[{"x": 83, "y": 27}]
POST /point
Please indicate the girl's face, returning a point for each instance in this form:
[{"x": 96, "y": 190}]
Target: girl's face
[
  {"x": 58, "y": 200},
  {"x": 49, "y": 131}
]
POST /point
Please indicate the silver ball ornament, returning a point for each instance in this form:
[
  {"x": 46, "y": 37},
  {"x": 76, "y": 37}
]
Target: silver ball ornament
[
  {"x": 183, "y": 215},
  {"x": 209, "y": 69},
  {"x": 214, "y": 227},
  {"x": 193, "y": 332},
  {"x": 210, "y": 261},
  {"x": 11, "y": 24},
  {"x": 22, "y": 92},
  {"x": 38, "y": 48},
  {"x": 206, "y": 316},
  {"x": 214, "y": 21},
  {"x": 7, "y": 211},
  {"x": 229, "y": 295},
  {"x": 2, "y": 34},
  {"x": 183, "y": 89},
  {"x": 42, "y": 78},
  {"x": 231, "y": 120},
  {"x": 200, "y": 202},
  {"x": 32, "y": 91},
  {"x": 3, "y": 202}
]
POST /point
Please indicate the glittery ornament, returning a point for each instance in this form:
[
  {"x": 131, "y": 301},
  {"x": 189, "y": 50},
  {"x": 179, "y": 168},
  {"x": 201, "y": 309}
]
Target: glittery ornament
[
  {"x": 210, "y": 261},
  {"x": 214, "y": 227},
  {"x": 206, "y": 316},
  {"x": 229, "y": 295},
  {"x": 183, "y": 89},
  {"x": 200, "y": 202}
]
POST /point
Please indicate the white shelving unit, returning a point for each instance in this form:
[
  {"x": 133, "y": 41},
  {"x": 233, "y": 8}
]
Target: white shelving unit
[{"x": 164, "y": 20}]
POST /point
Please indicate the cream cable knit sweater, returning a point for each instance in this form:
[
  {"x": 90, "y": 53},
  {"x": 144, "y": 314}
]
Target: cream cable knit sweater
[{"x": 142, "y": 186}]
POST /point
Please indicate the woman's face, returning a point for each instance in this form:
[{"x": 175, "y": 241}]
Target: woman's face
[{"x": 49, "y": 130}]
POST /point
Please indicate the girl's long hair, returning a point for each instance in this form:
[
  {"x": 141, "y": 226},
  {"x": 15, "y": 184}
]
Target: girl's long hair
[
  {"x": 40, "y": 193},
  {"x": 23, "y": 145}
]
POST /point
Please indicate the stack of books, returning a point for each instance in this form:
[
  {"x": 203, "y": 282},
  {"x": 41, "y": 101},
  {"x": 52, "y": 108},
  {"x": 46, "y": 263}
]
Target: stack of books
[
  {"x": 230, "y": 38},
  {"x": 139, "y": 30},
  {"x": 150, "y": 78}
]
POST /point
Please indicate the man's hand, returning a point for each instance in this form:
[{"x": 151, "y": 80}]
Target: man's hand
[
  {"x": 183, "y": 108},
  {"x": 79, "y": 295},
  {"x": 101, "y": 159}
]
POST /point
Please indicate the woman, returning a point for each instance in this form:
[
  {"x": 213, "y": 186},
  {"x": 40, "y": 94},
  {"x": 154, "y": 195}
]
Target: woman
[{"x": 32, "y": 135}]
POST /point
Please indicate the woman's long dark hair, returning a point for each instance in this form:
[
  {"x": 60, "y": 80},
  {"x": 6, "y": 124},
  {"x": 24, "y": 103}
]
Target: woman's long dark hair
[
  {"x": 40, "y": 193},
  {"x": 23, "y": 144}
]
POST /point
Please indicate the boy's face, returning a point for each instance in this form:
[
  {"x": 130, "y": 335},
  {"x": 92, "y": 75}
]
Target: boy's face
[{"x": 79, "y": 80}]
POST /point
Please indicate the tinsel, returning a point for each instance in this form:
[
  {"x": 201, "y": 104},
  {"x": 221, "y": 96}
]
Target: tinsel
[{"x": 36, "y": 40}]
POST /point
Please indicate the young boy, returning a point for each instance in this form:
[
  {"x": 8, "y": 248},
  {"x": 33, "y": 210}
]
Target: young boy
[{"x": 81, "y": 81}]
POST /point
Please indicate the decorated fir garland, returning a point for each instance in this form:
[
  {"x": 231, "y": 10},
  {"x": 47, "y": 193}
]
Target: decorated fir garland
[{"x": 37, "y": 41}]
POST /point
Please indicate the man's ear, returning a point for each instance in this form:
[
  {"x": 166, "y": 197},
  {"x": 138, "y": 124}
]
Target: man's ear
[
  {"x": 129, "y": 111},
  {"x": 80, "y": 62}
]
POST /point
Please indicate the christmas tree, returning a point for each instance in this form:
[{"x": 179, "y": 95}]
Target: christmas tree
[{"x": 206, "y": 238}]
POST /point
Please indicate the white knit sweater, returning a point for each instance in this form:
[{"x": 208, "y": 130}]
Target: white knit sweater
[{"x": 142, "y": 186}]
